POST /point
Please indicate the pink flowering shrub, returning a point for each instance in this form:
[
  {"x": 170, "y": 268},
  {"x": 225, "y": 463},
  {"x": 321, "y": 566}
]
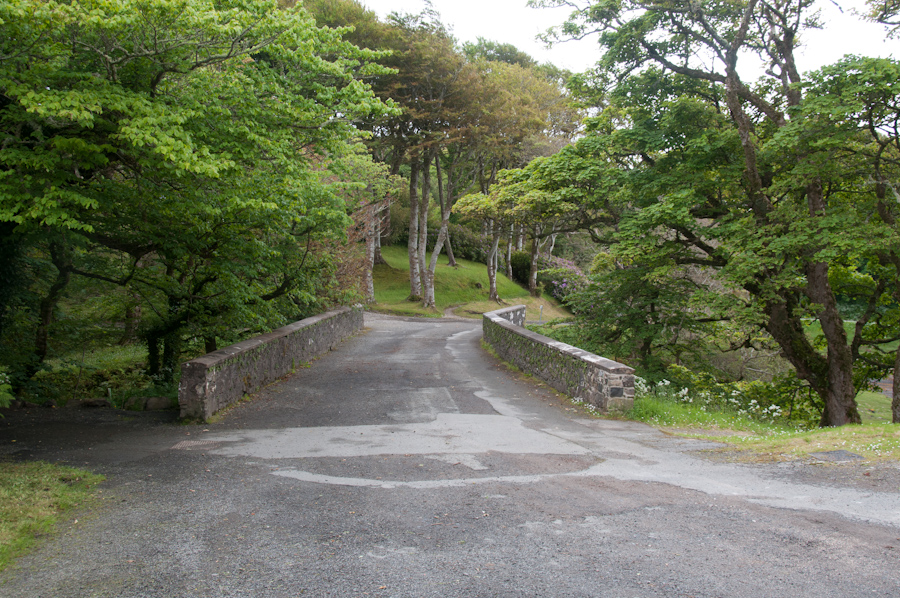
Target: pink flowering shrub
[{"x": 560, "y": 277}]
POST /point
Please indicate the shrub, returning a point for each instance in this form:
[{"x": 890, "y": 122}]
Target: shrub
[
  {"x": 467, "y": 244},
  {"x": 5, "y": 389},
  {"x": 560, "y": 277},
  {"x": 785, "y": 398},
  {"x": 521, "y": 266}
]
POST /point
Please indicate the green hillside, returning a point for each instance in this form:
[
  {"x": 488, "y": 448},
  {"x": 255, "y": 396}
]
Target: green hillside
[{"x": 464, "y": 288}]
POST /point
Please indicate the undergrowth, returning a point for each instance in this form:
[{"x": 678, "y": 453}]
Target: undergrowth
[{"x": 115, "y": 373}]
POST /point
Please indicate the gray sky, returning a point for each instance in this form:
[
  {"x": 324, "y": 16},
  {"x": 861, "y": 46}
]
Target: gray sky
[{"x": 511, "y": 21}]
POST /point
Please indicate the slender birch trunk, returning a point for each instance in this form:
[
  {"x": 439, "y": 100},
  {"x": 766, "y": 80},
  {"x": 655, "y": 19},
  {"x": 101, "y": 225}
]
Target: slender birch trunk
[
  {"x": 493, "y": 295},
  {"x": 429, "y": 299},
  {"x": 424, "y": 201},
  {"x": 415, "y": 280},
  {"x": 533, "y": 270},
  {"x": 451, "y": 259},
  {"x": 372, "y": 225},
  {"x": 509, "y": 251},
  {"x": 379, "y": 227}
]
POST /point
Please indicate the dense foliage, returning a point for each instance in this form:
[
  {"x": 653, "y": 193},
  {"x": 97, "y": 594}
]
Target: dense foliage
[
  {"x": 732, "y": 213},
  {"x": 177, "y": 150}
]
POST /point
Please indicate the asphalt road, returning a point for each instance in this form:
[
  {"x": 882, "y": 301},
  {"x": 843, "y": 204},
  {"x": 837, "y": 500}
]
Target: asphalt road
[{"x": 409, "y": 463}]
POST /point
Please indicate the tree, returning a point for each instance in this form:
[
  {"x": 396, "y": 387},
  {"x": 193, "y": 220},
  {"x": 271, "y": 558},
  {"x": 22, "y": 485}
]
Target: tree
[
  {"x": 520, "y": 115},
  {"x": 886, "y": 12},
  {"x": 466, "y": 114},
  {"x": 179, "y": 148},
  {"x": 491, "y": 51},
  {"x": 751, "y": 192},
  {"x": 854, "y": 108},
  {"x": 494, "y": 211}
]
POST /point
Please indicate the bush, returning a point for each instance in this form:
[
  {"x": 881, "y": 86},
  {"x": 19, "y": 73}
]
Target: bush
[
  {"x": 560, "y": 277},
  {"x": 521, "y": 266},
  {"x": 467, "y": 244},
  {"x": 5, "y": 389},
  {"x": 785, "y": 398}
]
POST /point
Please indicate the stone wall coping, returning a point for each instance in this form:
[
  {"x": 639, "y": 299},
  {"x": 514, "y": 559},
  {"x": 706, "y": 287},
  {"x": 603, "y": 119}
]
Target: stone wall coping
[
  {"x": 500, "y": 313},
  {"x": 210, "y": 360}
]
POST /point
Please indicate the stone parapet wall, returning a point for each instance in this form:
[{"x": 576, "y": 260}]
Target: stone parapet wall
[
  {"x": 221, "y": 378},
  {"x": 606, "y": 384}
]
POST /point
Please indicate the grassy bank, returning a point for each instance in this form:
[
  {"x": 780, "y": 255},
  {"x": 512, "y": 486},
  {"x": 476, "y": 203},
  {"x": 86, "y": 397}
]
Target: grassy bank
[
  {"x": 32, "y": 497},
  {"x": 464, "y": 288}
]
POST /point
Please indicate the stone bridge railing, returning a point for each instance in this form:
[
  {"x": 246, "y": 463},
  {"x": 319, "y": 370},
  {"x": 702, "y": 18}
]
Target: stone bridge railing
[
  {"x": 221, "y": 378},
  {"x": 606, "y": 384}
]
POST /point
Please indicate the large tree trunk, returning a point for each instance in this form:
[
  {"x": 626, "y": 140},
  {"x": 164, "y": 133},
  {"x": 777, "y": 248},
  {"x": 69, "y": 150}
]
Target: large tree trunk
[
  {"x": 415, "y": 280},
  {"x": 839, "y": 395},
  {"x": 60, "y": 258},
  {"x": 132, "y": 318},
  {"x": 167, "y": 336},
  {"x": 171, "y": 356},
  {"x": 823, "y": 374},
  {"x": 831, "y": 378}
]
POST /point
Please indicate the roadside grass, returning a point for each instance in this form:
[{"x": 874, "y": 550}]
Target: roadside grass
[
  {"x": 464, "y": 288},
  {"x": 665, "y": 413},
  {"x": 874, "y": 442},
  {"x": 32, "y": 496},
  {"x": 775, "y": 440}
]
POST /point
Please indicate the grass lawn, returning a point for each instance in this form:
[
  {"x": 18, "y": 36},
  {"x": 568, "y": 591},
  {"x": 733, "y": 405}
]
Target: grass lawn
[
  {"x": 874, "y": 407},
  {"x": 814, "y": 331},
  {"x": 32, "y": 496},
  {"x": 464, "y": 288}
]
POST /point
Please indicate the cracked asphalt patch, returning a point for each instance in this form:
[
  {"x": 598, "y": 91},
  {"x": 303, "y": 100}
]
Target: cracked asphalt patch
[{"x": 409, "y": 463}]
